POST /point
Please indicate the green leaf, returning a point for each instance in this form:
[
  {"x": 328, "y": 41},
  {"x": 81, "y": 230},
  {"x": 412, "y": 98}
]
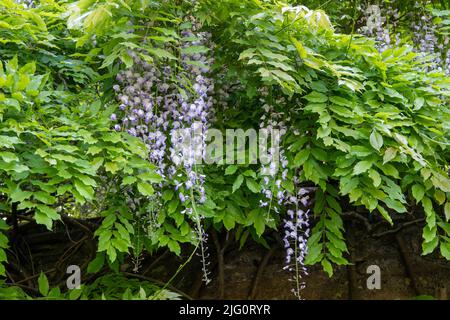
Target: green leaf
[
  {"x": 447, "y": 211},
  {"x": 151, "y": 177},
  {"x": 418, "y": 103},
  {"x": 126, "y": 58},
  {"x": 316, "y": 97},
  {"x": 2, "y": 256},
  {"x": 428, "y": 233},
  {"x": 19, "y": 195},
  {"x": 45, "y": 215},
  {"x": 314, "y": 252},
  {"x": 93, "y": 150},
  {"x": 194, "y": 49},
  {"x": 283, "y": 75},
  {"x": 43, "y": 284},
  {"x": 8, "y": 156},
  {"x": 395, "y": 204},
  {"x": 86, "y": 180},
  {"x": 44, "y": 197},
  {"x": 249, "y": 173},
  {"x": 301, "y": 157},
  {"x": 445, "y": 250},
  {"x": 347, "y": 185},
  {"x": 256, "y": 216},
  {"x": 237, "y": 183},
  {"x": 376, "y": 140},
  {"x": 161, "y": 53},
  {"x": 112, "y": 253},
  {"x": 120, "y": 244},
  {"x": 229, "y": 220},
  {"x": 300, "y": 49},
  {"x": 75, "y": 294},
  {"x": 8, "y": 142},
  {"x": 174, "y": 247},
  {"x": 389, "y": 154},
  {"x": 253, "y": 185},
  {"x": 439, "y": 196},
  {"x": 428, "y": 247},
  {"x": 111, "y": 167},
  {"x": 20, "y": 168},
  {"x": 428, "y": 206},
  {"x": 389, "y": 170},
  {"x": 376, "y": 178},
  {"x": 96, "y": 264},
  {"x": 64, "y": 157},
  {"x": 3, "y": 225},
  {"x": 385, "y": 215},
  {"x": 172, "y": 206},
  {"x": 361, "y": 167},
  {"x": 3, "y": 241},
  {"x": 128, "y": 180},
  {"x": 441, "y": 182},
  {"x": 327, "y": 267},
  {"x": 418, "y": 191},
  {"x": 85, "y": 191},
  {"x": 231, "y": 170},
  {"x": 145, "y": 189}
]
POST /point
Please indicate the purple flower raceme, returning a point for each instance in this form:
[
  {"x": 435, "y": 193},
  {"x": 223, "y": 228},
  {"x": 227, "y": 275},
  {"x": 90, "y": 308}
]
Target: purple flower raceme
[
  {"x": 171, "y": 118},
  {"x": 274, "y": 169},
  {"x": 275, "y": 172},
  {"x": 382, "y": 20},
  {"x": 425, "y": 39},
  {"x": 379, "y": 21},
  {"x": 296, "y": 233}
]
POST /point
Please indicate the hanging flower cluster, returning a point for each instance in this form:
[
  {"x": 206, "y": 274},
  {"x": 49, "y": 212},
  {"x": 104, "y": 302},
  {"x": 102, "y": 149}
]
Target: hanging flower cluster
[
  {"x": 427, "y": 41},
  {"x": 274, "y": 167},
  {"x": 296, "y": 224},
  {"x": 380, "y": 21},
  {"x": 170, "y": 111},
  {"x": 296, "y": 233}
]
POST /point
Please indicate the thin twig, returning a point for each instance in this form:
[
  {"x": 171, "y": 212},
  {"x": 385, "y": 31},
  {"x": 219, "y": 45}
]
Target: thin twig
[
  {"x": 400, "y": 227},
  {"x": 34, "y": 276},
  {"x": 76, "y": 223}
]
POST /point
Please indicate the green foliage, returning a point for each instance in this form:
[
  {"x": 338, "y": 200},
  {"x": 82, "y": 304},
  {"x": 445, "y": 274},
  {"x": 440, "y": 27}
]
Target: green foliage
[
  {"x": 372, "y": 130},
  {"x": 108, "y": 287},
  {"x": 118, "y": 287},
  {"x": 41, "y": 35},
  {"x": 53, "y": 152},
  {"x": 327, "y": 243},
  {"x": 366, "y": 120},
  {"x": 11, "y": 293}
]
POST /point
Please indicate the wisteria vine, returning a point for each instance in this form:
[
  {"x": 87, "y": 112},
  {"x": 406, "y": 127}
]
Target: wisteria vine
[{"x": 170, "y": 111}]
